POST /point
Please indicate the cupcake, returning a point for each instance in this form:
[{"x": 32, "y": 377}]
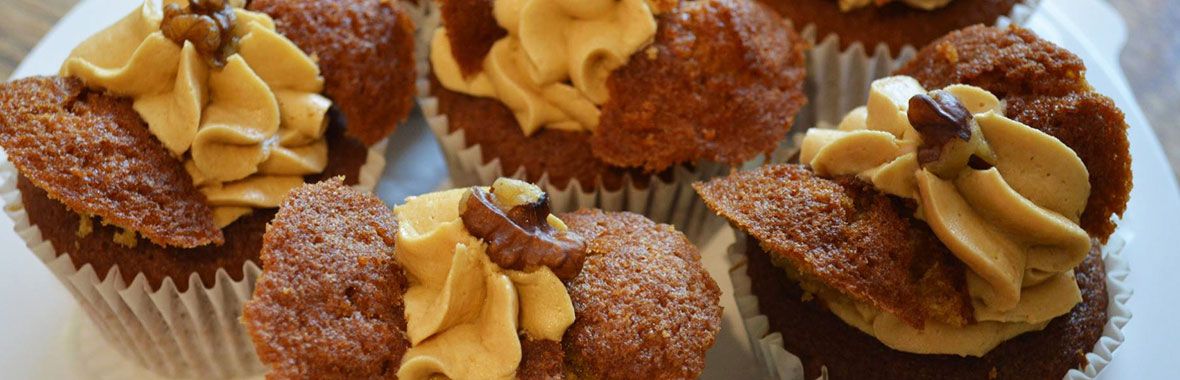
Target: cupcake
[
  {"x": 476, "y": 283},
  {"x": 954, "y": 227},
  {"x": 858, "y": 41},
  {"x": 614, "y": 104},
  {"x": 144, "y": 174}
]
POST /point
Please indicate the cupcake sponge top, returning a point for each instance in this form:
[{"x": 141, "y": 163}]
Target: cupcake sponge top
[
  {"x": 646, "y": 307},
  {"x": 365, "y": 50},
  {"x": 93, "y": 153},
  {"x": 846, "y": 235},
  {"x": 330, "y": 301}
]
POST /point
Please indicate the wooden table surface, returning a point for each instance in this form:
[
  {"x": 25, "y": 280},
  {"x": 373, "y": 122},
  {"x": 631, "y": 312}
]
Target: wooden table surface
[{"x": 1151, "y": 59}]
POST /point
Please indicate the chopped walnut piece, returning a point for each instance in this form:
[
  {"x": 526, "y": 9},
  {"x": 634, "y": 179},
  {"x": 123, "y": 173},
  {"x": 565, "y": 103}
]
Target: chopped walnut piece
[
  {"x": 513, "y": 192},
  {"x": 208, "y": 24},
  {"x": 951, "y": 140},
  {"x": 521, "y": 237}
]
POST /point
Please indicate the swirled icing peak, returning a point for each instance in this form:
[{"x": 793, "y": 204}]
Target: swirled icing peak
[
  {"x": 248, "y": 131},
  {"x": 929, "y": 5},
  {"x": 1004, "y": 197},
  {"x": 464, "y": 313},
  {"x": 551, "y": 68}
]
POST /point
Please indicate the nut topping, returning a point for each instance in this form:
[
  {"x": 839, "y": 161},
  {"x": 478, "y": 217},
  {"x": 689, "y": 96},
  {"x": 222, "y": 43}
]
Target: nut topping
[
  {"x": 939, "y": 118},
  {"x": 522, "y": 238},
  {"x": 951, "y": 140},
  {"x": 208, "y": 24}
]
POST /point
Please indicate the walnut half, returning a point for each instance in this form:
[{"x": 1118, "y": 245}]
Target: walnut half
[
  {"x": 521, "y": 237},
  {"x": 207, "y": 24},
  {"x": 951, "y": 139}
]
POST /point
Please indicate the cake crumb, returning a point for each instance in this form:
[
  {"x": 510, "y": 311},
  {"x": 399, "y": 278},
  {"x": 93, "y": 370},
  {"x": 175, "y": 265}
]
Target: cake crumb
[
  {"x": 93, "y": 153},
  {"x": 127, "y": 238},
  {"x": 949, "y": 52},
  {"x": 1082, "y": 360},
  {"x": 85, "y": 225}
]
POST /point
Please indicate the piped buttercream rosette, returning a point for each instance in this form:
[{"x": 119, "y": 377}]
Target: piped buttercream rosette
[
  {"x": 1004, "y": 197},
  {"x": 463, "y": 311},
  {"x": 551, "y": 68},
  {"x": 248, "y": 132}
]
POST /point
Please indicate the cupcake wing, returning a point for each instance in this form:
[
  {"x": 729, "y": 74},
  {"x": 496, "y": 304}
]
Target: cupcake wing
[
  {"x": 330, "y": 300},
  {"x": 92, "y": 152}
]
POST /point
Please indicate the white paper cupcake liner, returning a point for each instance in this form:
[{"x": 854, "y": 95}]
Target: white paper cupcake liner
[
  {"x": 195, "y": 333},
  {"x": 838, "y": 79},
  {"x": 782, "y": 365}
]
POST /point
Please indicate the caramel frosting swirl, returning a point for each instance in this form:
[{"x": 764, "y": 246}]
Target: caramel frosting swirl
[
  {"x": 463, "y": 312},
  {"x": 551, "y": 68},
  {"x": 1004, "y": 197},
  {"x": 248, "y": 132}
]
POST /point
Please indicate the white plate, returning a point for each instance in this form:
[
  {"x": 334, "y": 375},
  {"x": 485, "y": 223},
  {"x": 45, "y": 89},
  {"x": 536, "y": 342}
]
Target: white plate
[{"x": 38, "y": 323}]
